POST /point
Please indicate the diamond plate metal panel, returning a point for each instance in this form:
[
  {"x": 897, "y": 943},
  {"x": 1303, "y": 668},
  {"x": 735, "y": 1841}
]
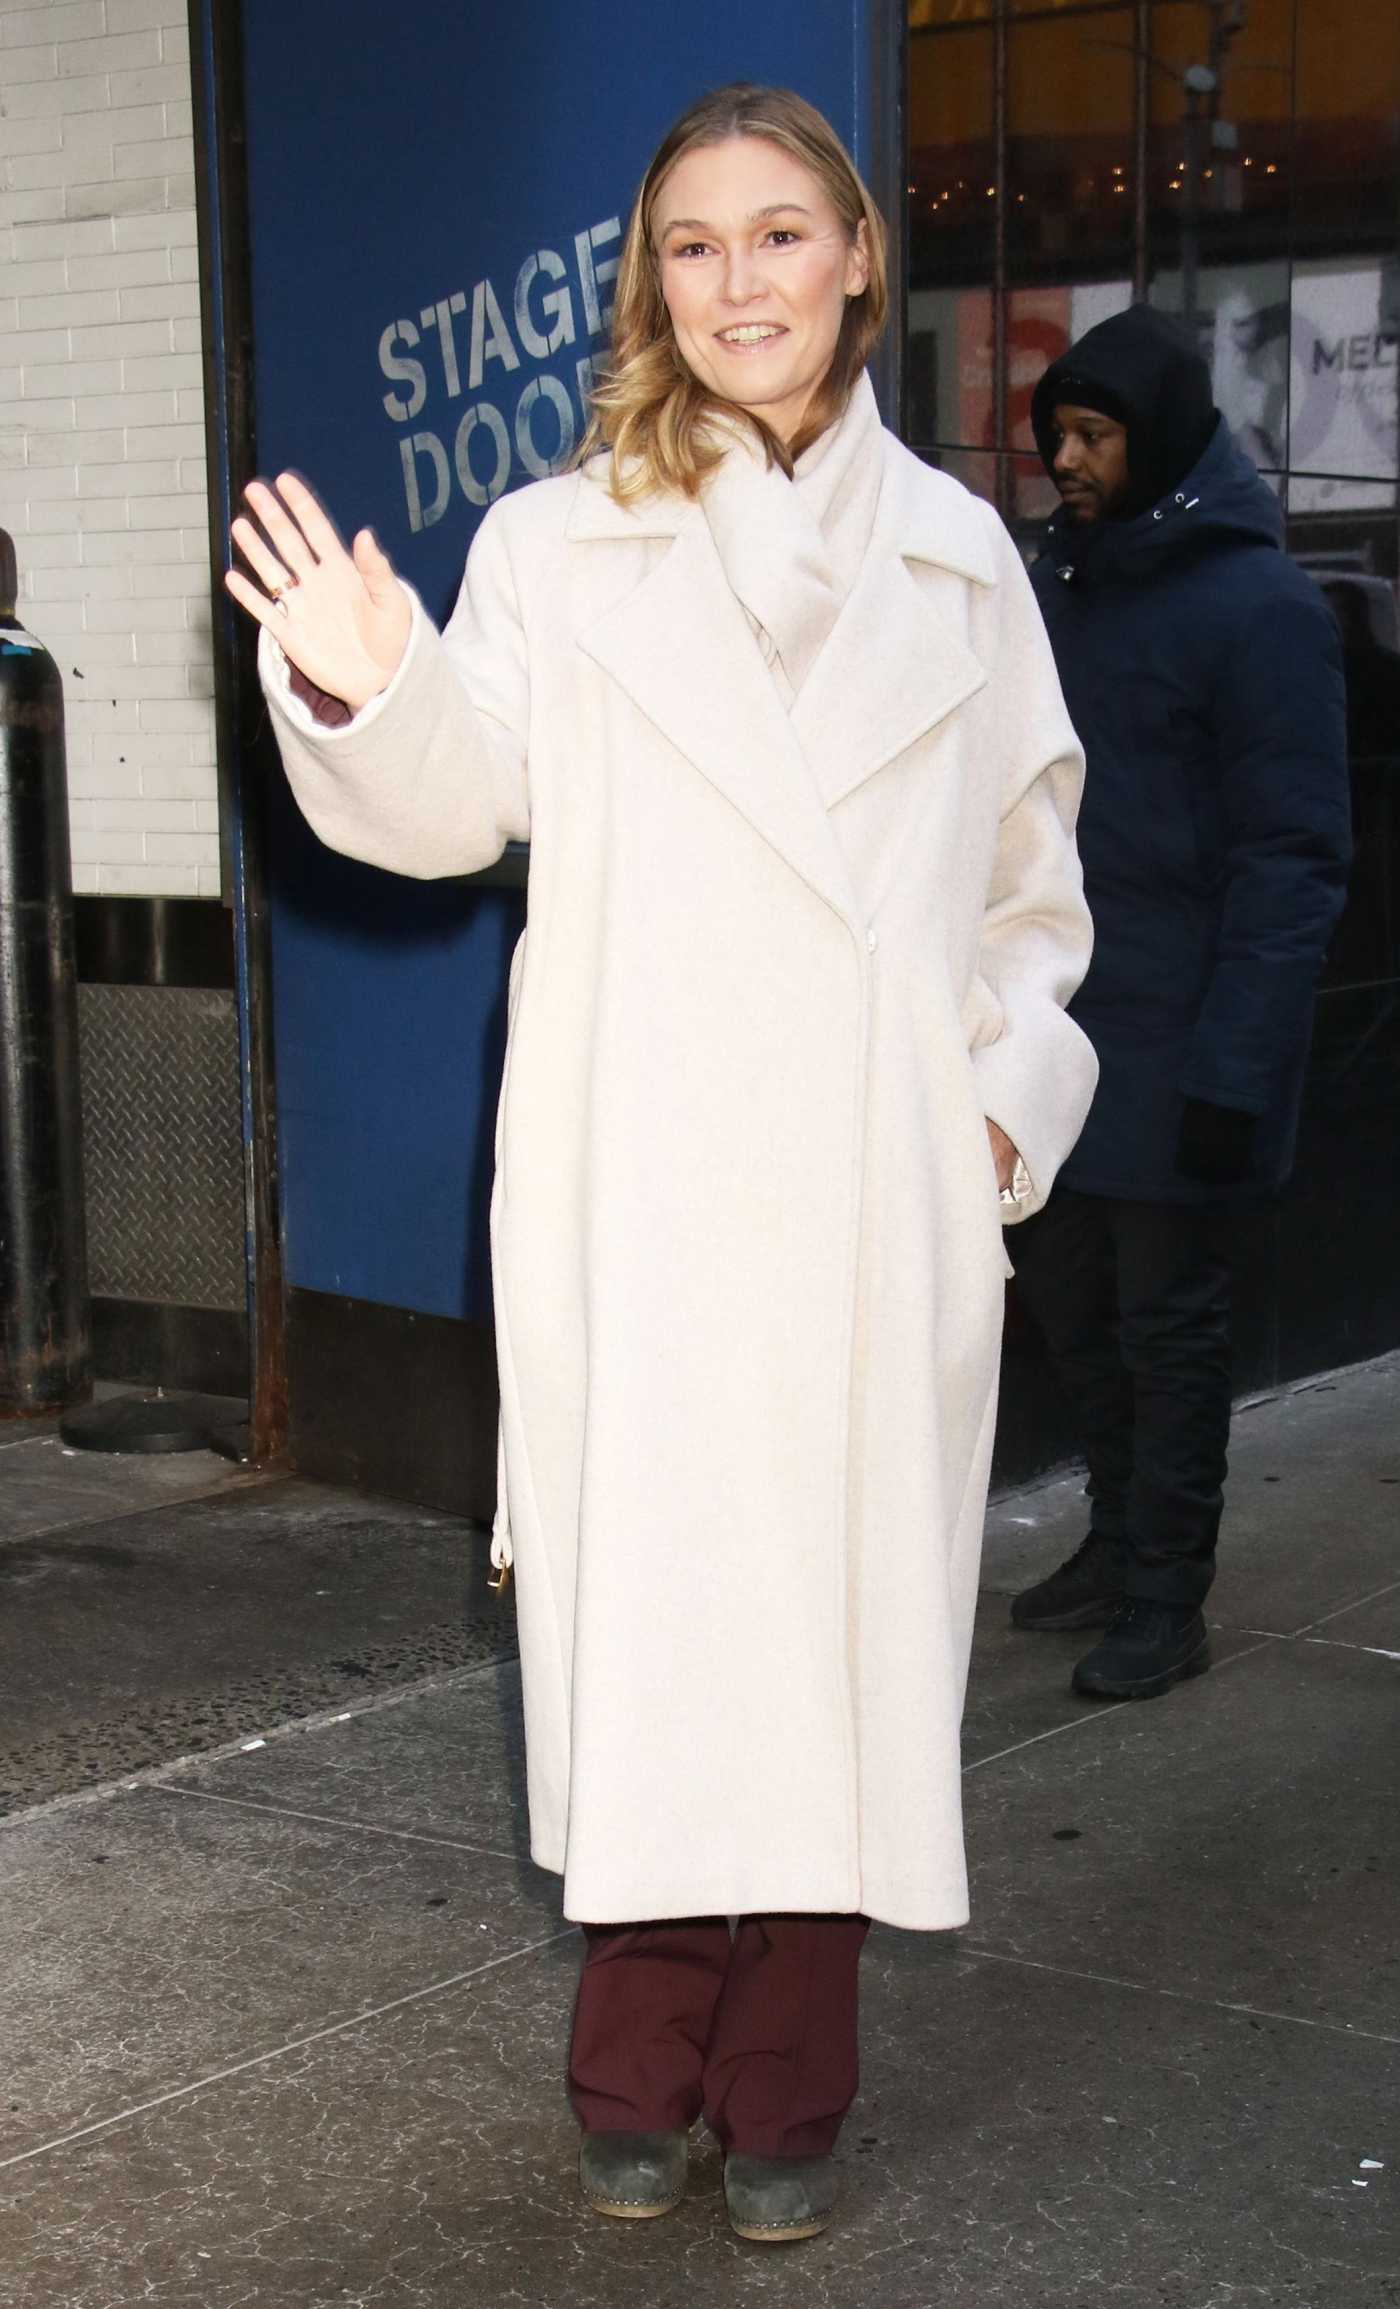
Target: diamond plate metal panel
[{"x": 162, "y": 1144}]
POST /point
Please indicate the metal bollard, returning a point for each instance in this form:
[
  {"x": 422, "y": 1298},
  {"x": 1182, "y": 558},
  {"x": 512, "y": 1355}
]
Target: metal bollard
[{"x": 45, "y": 1312}]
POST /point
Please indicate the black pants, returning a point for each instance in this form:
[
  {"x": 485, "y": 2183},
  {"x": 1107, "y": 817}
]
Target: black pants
[{"x": 1133, "y": 1300}]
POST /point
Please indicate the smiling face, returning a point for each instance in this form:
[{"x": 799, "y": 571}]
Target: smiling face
[
  {"x": 756, "y": 266},
  {"x": 1090, "y": 464}
]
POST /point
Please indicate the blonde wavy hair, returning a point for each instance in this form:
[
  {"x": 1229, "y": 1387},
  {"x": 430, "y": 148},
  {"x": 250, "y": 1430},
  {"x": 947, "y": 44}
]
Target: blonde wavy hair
[{"x": 648, "y": 409}]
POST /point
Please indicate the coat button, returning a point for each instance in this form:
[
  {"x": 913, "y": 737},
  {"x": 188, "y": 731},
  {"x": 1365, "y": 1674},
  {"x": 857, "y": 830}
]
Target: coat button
[{"x": 871, "y": 941}]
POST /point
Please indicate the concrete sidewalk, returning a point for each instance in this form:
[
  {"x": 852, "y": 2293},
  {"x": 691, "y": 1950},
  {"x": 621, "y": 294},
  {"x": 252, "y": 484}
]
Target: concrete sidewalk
[{"x": 284, "y": 2023}]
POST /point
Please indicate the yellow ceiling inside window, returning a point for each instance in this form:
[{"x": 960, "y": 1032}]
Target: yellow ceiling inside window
[
  {"x": 926, "y": 15},
  {"x": 1348, "y": 61},
  {"x": 923, "y": 13}
]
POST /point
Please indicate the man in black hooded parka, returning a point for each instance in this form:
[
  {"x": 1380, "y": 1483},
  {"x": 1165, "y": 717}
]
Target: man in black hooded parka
[{"x": 1203, "y": 673}]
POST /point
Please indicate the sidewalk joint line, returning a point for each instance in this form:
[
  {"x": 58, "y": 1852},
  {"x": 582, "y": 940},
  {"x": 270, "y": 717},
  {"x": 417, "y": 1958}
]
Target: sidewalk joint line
[
  {"x": 1182, "y": 1996},
  {"x": 1070, "y": 1724},
  {"x": 1335, "y": 1644},
  {"x": 254, "y": 1480},
  {"x": 334, "y": 1820},
  {"x": 277, "y": 2052},
  {"x": 145, "y": 1776},
  {"x": 1099, "y": 1712},
  {"x": 1377, "y": 1595}
]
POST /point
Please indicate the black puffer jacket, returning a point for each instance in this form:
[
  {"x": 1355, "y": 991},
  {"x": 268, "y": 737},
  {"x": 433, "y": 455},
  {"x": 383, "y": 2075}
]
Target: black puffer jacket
[{"x": 1203, "y": 672}]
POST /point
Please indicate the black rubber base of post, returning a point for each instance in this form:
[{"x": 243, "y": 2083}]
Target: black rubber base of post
[{"x": 160, "y": 1423}]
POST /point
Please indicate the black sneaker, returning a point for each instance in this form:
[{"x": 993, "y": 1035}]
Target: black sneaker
[
  {"x": 1084, "y": 1593},
  {"x": 1148, "y": 1648}
]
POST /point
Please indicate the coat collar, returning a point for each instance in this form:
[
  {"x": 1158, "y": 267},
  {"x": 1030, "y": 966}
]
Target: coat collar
[
  {"x": 595, "y": 514},
  {"x": 892, "y": 669},
  {"x": 938, "y": 522},
  {"x": 680, "y": 646}
]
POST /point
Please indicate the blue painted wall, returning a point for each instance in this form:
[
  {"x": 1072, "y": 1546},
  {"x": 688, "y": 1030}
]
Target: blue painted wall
[{"x": 435, "y": 197}]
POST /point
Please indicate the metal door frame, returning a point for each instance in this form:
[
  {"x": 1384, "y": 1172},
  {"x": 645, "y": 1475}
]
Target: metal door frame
[{"x": 216, "y": 69}]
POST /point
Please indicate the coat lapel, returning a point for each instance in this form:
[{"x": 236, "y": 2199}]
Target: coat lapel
[
  {"x": 681, "y": 648},
  {"x": 891, "y": 669}
]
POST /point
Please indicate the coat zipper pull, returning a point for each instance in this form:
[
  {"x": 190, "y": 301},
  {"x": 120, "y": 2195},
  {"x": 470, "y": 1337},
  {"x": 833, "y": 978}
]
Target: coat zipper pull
[
  {"x": 502, "y": 1557},
  {"x": 502, "y": 1546}
]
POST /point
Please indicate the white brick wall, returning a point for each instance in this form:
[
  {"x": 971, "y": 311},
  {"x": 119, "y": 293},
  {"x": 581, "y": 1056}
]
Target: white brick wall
[{"x": 102, "y": 475}]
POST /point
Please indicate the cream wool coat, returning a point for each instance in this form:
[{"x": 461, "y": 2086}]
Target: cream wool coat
[{"x": 747, "y": 1245}]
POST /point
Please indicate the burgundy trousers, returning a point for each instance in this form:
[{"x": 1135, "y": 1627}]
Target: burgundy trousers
[{"x": 758, "y": 2032}]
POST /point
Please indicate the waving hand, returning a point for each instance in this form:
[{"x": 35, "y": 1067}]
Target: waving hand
[{"x": 342, "y": 618}]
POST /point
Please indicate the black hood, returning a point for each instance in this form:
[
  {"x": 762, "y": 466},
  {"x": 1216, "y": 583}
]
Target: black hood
[
  {"x": 1222, "y": 501},
  {"x": 1141, "y": 368}
]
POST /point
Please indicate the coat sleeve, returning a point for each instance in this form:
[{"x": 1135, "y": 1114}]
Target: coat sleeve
[
  {"x": 1281, "y": 753},
  {"x": 429, "y": 778},
  {"x": 1037, "y": 1077}
]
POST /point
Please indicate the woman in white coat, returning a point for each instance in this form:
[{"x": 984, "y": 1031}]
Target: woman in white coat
[{"x": 772, "y": 703}]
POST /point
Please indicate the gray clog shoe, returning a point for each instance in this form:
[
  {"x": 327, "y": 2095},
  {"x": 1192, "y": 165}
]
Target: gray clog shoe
[
  {"x": 633, "y": 2176},
  {"x": 779, "y": 2200}
]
